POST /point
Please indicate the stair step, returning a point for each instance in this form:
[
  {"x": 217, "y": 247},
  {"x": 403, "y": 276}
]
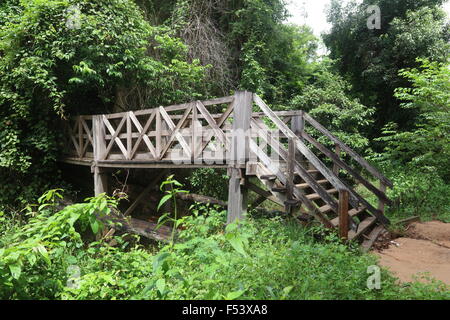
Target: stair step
[
  {"x": 373, "y": 236},
  {"x": 325, "y": 209},
  {"x": 292, "y": 203},
  {"x": 306, "y": 185},
  {"x": 279, "y": 189},
  {"x": 316, "y": 196},
  {"x": 362, "y": 228},
  {"x": 351, "y": 213},
  {"x": 269, "y": 177}
]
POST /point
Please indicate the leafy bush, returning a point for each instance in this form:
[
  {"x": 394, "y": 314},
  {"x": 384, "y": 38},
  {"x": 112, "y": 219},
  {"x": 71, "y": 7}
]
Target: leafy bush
[
  {"x": 328, "y": 100},
  {"x": 428, "y": 144},
  {"x": 32, "y": 259},
  {"x": 209, "y": 182},
  {"x": 61, "y": 58},
  {"x": 419, "y": 191},
  {"x": 256, "y": 259}
]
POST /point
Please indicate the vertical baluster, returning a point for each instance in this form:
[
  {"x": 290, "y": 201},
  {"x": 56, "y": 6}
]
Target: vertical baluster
[
  {"x": 380, "y": 202},
  {"x": 298, "y": 127},
  {"x": 129, "y": 136},
  {"x": 337, "y": 149},
  {"x": 158, "y": 134},
  {"x": 343, "y": 214}
]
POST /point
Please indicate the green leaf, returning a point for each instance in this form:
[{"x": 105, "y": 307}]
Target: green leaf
[
  {"x": 15, "y": 270},
  {"x": 164, "y": 199},
  {"x": 95, "y": 226},
  {"x": 44, "y": 253},
  {"x": 234, "y": 295},
  {"x": 159, "y": 260},
  {"x": 238, "y": 245},
  {"x": 161, "y": 285}
]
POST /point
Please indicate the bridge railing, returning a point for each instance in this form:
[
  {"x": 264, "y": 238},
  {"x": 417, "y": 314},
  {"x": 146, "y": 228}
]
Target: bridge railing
[
  {"x": 174, "y": 133},
  {"x": 298, "y": 127}
]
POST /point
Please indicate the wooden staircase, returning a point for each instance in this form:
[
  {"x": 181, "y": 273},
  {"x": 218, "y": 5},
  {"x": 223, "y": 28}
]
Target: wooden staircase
[
  {"x": 295, "y": 173},
  {"x": 292, "y": 162}
]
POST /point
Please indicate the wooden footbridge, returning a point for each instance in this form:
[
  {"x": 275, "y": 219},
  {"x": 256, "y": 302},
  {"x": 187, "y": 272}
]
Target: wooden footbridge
[{"x": 273, "y": 154}]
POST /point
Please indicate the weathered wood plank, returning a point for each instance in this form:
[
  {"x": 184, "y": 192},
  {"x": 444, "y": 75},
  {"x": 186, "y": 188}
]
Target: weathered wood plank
[
  {"x": 237, "y": 196},
  {"x": 290, "y": 169},
  {"x": 263, "y": 193},
  {"x": 299, "y": 169},
  {"x": 129, "y": 137},
  {"x": 348, "y": 150},
  {"x": 267, "y": 162},
  {"x": 142, "y": 135},
  {"x": 312, "y": 158},
  {"x": 373, "y": 236},
  {"x": 343, "y": 214},
  {"x": 212, "y": 123},
  {"x": 362, "y": 228},
  {"x": 100, "y": 175},
  {"x": 201, "y": 199},
  {"x": 220, "y": 124},
  {"x": 241, "y": 127},
  {"x": 175, "y": 131},
  {"x": 341, "y": 164},
  {"x": 114, "y": 134}
]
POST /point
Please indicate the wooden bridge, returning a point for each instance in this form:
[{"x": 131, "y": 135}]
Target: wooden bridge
[{"x": 243, "y": 134}]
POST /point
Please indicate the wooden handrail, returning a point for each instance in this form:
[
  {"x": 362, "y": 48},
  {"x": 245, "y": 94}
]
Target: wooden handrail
[
  {"x": 354, "y": 198},
  {"x": 315, "y": 161},
  {"x": 267, "y": 162},
  {"x": 381, "y": 195},
  {"x": 348, "y": 150},
  {"x": 303, "y": 173}
]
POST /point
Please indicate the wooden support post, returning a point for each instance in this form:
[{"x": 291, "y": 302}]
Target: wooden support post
[
  {"x": 298, "y": 124},
  {"x": 100, "y": 176},
  {"x": 80, "y": 137},
  {"x": 343, "y": 214},
  {"x": 238, "y": 157},
  {"x": 290, "y": 175},
  {"x": 337, "y": 149},
  {"x": 298, "y": 127},
  {"x": 242, "y": 115},
  {"x": 237, "y": 196},
  {"x": 100, "y": 181},
  {"x": 380, "y": 202},
  {"x": 194, "y": 141}
]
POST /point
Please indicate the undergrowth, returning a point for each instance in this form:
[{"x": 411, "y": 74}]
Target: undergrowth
[{"x": 50, "y": 258}]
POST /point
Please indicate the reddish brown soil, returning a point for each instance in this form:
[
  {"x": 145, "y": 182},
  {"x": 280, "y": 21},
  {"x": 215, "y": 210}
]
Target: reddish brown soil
[{"x": 424, "y": 249}]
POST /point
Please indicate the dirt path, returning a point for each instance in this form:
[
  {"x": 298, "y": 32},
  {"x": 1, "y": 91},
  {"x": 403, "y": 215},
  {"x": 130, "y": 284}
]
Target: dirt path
[{"x": 426, "y": 248}]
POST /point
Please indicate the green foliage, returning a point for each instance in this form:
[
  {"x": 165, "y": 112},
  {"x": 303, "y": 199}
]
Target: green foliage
[
  {"x": 261, "y": 259},
  {"x": 30, "y": 257},
  {"x": 328, "y": 101},
  {"x": 275, "y": 59},
  {"x": 427, "y": 145},
  {"x": 58, "y": 62},
  {"x": 371, "y": 59},
  {"x": 280, "y": 262},
  {"x": 209, "y": 182},
  {"x": 171, "y": 188},
  {"x": 419, "y": 192}
]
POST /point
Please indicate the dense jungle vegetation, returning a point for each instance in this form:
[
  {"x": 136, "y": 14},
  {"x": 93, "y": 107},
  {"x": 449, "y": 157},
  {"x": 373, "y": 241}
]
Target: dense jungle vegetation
[{"x": 386, "y": 93}]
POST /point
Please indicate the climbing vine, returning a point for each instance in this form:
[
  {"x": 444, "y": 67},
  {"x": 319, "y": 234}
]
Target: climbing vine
[{"x": 61, "y": 58}]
